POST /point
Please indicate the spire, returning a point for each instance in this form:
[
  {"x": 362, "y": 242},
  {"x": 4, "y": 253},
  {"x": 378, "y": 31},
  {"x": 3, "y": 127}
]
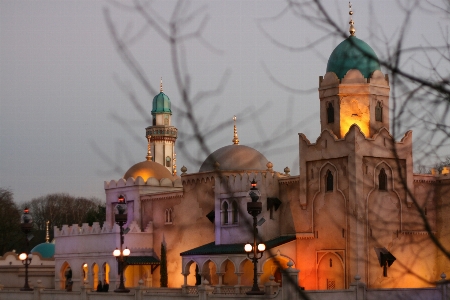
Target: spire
[
  {"x": 235, "y": 139},
  {"x": 160, "y": 86},
  {"x": 352, "y": 29},
  {"x": 47, "y": 235},
  {"x": 149, "y": 150}
]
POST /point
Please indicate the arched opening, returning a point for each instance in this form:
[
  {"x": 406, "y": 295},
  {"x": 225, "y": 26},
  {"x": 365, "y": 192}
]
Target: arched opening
[
  {"x": 168, "y": 161},
  {"x": 273, "y": 267},
  {"x": 382, "y": 180},
  {"x": 247, "y": 273},
  {"x": 65, "y": 276},
  {"x": 330, "y": 112},
  {"x": 105, "y": 276},
  {"x": 225, "y": 212},
  {"x": 194, "y": 277},
  {"x": 379, "y": 112},
  {"x": 96, "y": 280},
  {"x": 168, "y": 216},
  {"x": 234, "y": 212},
  {"x": 229, "y": 273},
  {"x": 84, "y": 270},
  {"x": 330, "y": 272},
  {"x": 209, "y": 272},
  {"x": 329, "y": 181}
]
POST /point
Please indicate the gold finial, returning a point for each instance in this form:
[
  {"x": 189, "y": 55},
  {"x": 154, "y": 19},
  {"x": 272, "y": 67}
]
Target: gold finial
[
  {"x": 160, "y": 86},
  {"x": 149, "y": 149},
  {"x": 352, "y": 29},
  {"x": 235, "y": 139},
  {"x": 47, "y": 235}
]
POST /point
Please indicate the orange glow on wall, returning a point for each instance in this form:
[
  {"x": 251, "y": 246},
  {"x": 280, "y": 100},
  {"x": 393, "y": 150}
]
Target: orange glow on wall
[{"x": 353, "y": 112}]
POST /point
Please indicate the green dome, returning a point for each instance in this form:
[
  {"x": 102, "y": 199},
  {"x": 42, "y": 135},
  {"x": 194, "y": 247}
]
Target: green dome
[
  {"x": 161, "y": 104},
  {"x": 353, "y": 53},
  {"x": 46, "y": 250}
]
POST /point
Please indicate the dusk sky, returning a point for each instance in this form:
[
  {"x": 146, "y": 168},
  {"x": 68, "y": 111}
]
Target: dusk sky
[{"x": 67, "y": 123}]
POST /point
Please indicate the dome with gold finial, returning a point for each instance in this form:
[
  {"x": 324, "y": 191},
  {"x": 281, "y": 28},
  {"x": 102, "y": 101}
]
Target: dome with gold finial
[
  {"x": 234, "y": 157},
  {"x": 147, "y": 169},
  {"x": 353, "y": 53},
  {"x": 161, "y": 102}
]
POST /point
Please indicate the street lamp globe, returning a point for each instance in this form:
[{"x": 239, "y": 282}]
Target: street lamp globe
[
  {"x": 126, "y": 252},
  {"x": 261, "y": 247},
  {"x": 23, "y": 256},
  {"x": 248, "y": 248},
  {"x": 116, "y": 252}
]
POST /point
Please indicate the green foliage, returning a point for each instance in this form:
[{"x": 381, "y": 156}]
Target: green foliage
[{"x": 163, "y": 267}]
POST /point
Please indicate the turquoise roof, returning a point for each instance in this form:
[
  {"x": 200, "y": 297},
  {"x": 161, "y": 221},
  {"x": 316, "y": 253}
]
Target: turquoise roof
[
  {"x": 161, "y": 104},
  {"x": 353, "y": 53},
  {"x": 46, "y": 250},
  {"x": 212, "y": 248}
]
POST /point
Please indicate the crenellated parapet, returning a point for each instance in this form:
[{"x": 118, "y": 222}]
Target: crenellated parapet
[{"x": 139, "y": 181}]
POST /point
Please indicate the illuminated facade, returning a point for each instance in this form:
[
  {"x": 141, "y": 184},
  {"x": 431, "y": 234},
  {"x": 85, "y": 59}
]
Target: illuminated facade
[{"x": 349, "y": 203}]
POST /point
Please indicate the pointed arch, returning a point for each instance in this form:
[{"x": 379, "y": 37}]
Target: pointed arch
[
  {"x": 234, "y": 212},
  {"x": 382, "y": 180},
  {"x": 329, "y": 186},
  {"x": 379, "y": 112},
  {"x": 330, "y": 112},
  {"x": 168, "y": 216},
  {"x": 224, "y": 212}
]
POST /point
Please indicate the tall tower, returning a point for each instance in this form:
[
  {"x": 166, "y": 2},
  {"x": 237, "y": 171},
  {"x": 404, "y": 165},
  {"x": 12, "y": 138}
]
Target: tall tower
[
  {"x": 161, "y": 135},
  {"x": 354, "y": 91}
]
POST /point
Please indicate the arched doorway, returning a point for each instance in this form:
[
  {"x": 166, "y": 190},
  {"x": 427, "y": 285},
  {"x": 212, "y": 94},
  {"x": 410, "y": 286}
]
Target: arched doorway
[
  {"x": 330, "y": 271},
  {"x": 95, "y": 278},
  {"x": 65, "y": 275}
]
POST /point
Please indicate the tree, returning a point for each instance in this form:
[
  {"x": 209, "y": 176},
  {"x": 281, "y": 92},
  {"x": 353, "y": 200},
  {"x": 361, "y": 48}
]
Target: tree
[
  {"x": 163, "y": 267},
  {"x": 10, "y": 233},
  {"x": 62, "y": 209}
]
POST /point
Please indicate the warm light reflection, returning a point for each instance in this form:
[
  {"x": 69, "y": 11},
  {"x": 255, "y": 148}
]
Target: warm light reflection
[{"x": 348, "y": 121}]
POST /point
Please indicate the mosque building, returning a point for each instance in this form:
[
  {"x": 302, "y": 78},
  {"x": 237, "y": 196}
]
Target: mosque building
[{"x": 356, "y": 210}]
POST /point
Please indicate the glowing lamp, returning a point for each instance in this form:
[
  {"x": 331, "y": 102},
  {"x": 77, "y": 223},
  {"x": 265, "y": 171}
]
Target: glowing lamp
[
  {"x": 261, "y": 247},
  {"x": 248, "y": 248},
  {"x": 116, "y": 252},
  {"x": 23, "y": 256},
  {"x": 126, "y": 252}
]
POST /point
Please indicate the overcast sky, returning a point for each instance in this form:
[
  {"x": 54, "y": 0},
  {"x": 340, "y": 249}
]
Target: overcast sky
[{"x": 66, "y": 124}]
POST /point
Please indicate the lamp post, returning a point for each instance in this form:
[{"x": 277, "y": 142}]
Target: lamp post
[
  {"x": 26, "y": 224},
  {"x": 255, "y": 251},
  {"x": 120, "y": 218}
]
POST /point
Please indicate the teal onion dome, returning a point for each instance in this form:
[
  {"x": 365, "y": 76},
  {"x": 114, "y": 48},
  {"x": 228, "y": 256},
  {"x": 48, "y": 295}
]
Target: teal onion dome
[
  {"x": 46, "y": 250},
  {"x": 161, "y": 104},
  {"x": 353, "y": 53}
]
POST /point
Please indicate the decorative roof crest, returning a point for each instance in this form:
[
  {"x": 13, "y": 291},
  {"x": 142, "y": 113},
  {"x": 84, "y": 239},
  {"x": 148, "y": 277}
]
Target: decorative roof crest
[
  {"x": 235, "y": 139},
  {"x": 352, "y": 29}
]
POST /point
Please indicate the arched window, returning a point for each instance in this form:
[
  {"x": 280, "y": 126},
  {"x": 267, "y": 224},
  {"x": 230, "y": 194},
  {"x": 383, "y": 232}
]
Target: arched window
[
  {"x": 382, "y": 180},
  {"x": 168, "y": 216},
  {"x": 234, "y": 212},
  {"x": 379, "y": 112},
  {"x": 329, "y": 181},
  {"x": 330, "y": 112},
  {"x": 168, "y": 161},
  {"x": 225, "y": 212}
]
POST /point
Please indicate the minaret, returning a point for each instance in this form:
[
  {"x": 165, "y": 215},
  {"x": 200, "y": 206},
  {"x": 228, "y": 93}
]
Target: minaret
[
  {"x": 353, "y": 90},
  {"x": 161, "y": 135}
]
